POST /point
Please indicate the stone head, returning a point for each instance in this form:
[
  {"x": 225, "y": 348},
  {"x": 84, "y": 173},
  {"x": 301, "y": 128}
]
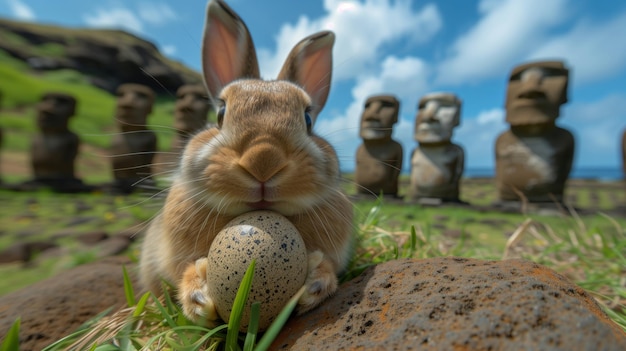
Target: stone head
[
  {"x": 437, "y": 115},
  {"x": 536, "y": 92},
  {"x": 54, "y": 110},
  {"x": 380, "y": 113},
  {"x": 134, "y": 104},
  {"x": 192, "y": 107}
]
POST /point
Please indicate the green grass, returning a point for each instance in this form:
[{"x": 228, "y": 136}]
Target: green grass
[
  {"x": 151, "y": 323},
  {"x": 39, "y": 216}
]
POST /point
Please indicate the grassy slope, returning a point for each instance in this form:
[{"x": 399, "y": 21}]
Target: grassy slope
[{"x": 106, "y": 37}]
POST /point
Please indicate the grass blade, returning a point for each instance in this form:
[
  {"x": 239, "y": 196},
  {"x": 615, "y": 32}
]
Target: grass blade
[
  {"x": 12, "y": 339},
  {"x": 238, "y": 306},
  {"x": 253, "y": 327},
  {"x": 279, "y": 322},
  {"x": 141, "y": 304},
  {"x": 128, "y": 289},
  {"x": 163, "y": 311}
]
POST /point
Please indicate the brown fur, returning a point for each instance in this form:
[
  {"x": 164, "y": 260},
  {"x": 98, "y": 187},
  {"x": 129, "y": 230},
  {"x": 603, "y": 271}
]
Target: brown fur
[{"x": 262, "y": 156}]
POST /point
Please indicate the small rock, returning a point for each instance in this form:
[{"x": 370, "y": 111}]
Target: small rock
[
  {"x": 24, "y": 251},
  {"x": 78, "y": 220},
  {"x": 440, "y": 218},
  {"x": 455, "y": 304},
  {"x": 113, "y": 246},
  {"x": 455, "y": 233},
  {"x": 130, "y": 234},
  {"x": 81, "y": 206},
  {"x": 494, "y": 222},
  {"x": 439, "y": 226},
  {"x": 91, "y": 238}
]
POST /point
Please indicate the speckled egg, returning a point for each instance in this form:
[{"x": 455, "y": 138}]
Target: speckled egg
[{"x": 280, "y": 270}]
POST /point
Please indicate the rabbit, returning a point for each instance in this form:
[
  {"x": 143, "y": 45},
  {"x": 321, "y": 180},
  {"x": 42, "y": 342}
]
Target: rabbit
[{"x": 261, "y": 155}]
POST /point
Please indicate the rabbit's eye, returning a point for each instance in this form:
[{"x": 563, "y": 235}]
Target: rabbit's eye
[
  {"x": 220, "y": 115},
  {"x": 308, "y": 120}
]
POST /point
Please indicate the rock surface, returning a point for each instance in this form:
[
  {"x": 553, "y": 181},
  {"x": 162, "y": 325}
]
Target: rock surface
[
  {"x": 430, "y": 304},
  {"x": 55, "y": 307},
  {"x": 455, "y": 304}
]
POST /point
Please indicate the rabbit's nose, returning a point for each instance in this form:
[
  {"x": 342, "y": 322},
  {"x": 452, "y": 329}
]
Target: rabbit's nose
[{"x": 263, "y": 161}]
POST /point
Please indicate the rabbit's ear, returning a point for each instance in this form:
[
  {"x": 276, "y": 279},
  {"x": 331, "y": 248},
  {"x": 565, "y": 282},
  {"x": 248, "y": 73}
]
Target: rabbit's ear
[
  {"x": 310, "y": 65},
  {"x": 227, "y": 49}
]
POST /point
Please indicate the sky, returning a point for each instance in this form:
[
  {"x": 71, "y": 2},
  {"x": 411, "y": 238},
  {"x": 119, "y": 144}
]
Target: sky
[{"x": 408, "y": 49}]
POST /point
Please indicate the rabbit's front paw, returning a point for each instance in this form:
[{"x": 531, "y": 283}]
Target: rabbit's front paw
[
  {"x": 321, "y": 282},
  {"x": 193, "y": 294}
]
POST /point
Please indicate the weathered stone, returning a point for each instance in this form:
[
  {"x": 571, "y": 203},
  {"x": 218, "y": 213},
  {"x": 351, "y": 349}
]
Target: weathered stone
[
  {"x": 24, "y": 251},
  {"x": 534, "y": 157},
  {"x": 93, "y": 237},
  {"x": 53, "y": 308},
  {"x": 78, "y": 220},
  {"x": 133, "y": 149},
  {"x": 130, "y": 234},
  {"x": 379, "y": 158},
  {"x": 55, "y": 147},
  {"x": 190, "y": 114},
  {"x": 437, "y": 164},
  {"x": 113, "y": 246},
  {"x": 455, "y": 304}
]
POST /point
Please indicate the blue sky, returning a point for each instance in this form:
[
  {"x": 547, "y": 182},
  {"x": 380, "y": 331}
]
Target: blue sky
[{"x": 408, "y": 48}]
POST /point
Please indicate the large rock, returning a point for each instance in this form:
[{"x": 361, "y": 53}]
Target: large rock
[
  {"x": 107, "y": 57},
  {"x": 53, "y": 308},
  {"x": 455, "y": 304}
]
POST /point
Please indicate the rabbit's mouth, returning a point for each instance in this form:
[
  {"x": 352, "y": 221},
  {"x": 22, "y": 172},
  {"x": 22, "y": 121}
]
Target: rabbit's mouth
[{"x": 261, "y": 205}]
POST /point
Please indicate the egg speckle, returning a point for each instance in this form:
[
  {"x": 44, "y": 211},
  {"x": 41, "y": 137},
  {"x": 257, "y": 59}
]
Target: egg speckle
[{"x": 280, "y": 270}]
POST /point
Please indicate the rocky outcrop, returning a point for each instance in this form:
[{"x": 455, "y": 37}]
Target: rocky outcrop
[
  {"x": 455, "y": 304},
  {"x": 107, "y": 57}
]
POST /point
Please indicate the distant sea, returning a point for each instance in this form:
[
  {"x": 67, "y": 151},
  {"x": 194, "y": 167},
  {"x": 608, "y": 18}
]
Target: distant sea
[
  {"x": 595, "y": 173},
  {"x": 599, "y": 173}
]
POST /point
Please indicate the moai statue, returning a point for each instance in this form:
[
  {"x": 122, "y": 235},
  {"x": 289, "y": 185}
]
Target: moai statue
[
  {"x": 437, "y": 164},
  {"x": 135, "y": 145},
  {"x": 534, "y": 157},
  {"x": 54, "y": 148},
  {"x": 190, "y": 113},
  {"x": 379, "y": 158}
]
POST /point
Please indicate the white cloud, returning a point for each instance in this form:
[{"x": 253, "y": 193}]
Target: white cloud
[
  {"x": 477, "y": 135},
  {"x": 362, "y": 28},
  {"x": 169, "y": 50},
  {"x": 156, "y": 14},
  {"x": 404, "y": 77},
  {"x": 508, "y": 31},
  {"x": 598, "y": 126},
  {"x": 591, "y": 49},
  {"x": 116, "y": 17},
  {"x": 21, "y": 10}
]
